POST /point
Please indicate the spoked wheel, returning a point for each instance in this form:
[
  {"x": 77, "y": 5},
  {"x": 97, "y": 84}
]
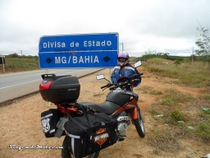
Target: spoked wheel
[
  {"x": 139, "y": 124},
  {"x": 66, "y": 151}
]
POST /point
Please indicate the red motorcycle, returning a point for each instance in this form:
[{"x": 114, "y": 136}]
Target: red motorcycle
[{"x": 89, "y": 127}]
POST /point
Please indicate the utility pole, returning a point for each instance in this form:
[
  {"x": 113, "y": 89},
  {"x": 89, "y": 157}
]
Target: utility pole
[
  {"x": 122, "y": 46},
  {"x": 192, "y": 54}
]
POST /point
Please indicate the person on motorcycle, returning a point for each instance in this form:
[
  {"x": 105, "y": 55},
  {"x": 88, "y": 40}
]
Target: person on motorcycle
[{"x": 124, "y": 69}]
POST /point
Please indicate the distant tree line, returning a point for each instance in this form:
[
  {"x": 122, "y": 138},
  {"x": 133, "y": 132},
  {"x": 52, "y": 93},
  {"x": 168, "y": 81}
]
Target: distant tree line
[
  {"x": 164, "y": 55},
  {"x": 15, "y": 55}
]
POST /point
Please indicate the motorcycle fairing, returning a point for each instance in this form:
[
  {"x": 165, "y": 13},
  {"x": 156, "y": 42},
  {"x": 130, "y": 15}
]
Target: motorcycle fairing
[{"x": 134, "y": 114}]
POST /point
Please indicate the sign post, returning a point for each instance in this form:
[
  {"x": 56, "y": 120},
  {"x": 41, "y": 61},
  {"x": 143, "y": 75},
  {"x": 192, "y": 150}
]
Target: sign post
[
  {"x": 2, "y": 62},
  {"x": 84, "y": 50}
]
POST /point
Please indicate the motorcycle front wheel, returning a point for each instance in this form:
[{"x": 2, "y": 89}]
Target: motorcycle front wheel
[
  {"x": 66, "y": 151},
  {"x": 139, "y": 124}
]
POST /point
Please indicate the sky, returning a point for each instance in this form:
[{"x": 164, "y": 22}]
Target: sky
[{"x": 143, "y": 25}]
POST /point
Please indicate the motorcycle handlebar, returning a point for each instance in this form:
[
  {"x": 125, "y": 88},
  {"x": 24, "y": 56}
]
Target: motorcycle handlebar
[
  {"x": 103, "y": 87},
  {"x": 136, "y": 75},
  {"x": 107, "y": 85},
  {"x": 113, "y": 86}
]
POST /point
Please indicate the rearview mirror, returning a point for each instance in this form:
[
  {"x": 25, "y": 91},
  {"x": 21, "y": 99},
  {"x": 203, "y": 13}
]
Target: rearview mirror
[
  {"x": 100, "y": 77},
  {"x": 137, "y": 64}
]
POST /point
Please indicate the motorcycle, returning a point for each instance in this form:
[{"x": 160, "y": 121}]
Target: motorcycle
[{"x": 102, "y": 125}]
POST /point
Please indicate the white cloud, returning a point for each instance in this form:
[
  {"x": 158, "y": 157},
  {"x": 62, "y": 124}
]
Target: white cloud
[{"x": 142, "y": 25}]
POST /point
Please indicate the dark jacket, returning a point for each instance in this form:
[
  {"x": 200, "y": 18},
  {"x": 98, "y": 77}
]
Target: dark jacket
[{"x": 124, "y": 71}]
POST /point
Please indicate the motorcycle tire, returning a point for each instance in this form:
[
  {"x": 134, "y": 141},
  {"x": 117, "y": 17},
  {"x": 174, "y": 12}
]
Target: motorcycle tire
[
  {"x": 139, "y": 124},
  {"x": 66, "y": 151}
]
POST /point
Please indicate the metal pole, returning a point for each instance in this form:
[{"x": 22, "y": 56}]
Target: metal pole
[
  {"x": 122, "y": 46},
  {"x": 3, "y": 65}
]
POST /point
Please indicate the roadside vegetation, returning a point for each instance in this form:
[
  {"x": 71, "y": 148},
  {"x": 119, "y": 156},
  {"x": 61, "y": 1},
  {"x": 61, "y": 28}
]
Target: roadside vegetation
[
  {"x": 179, "y": 115},
  {"x": 16, "y": 63},
  {"x": 188, "y": 73}
]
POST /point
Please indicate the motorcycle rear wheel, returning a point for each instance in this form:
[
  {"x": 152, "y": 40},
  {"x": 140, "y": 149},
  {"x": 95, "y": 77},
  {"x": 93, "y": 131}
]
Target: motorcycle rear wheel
[
  {"x": 66, "y": 151},
  {"x": 139, "y": 124}
]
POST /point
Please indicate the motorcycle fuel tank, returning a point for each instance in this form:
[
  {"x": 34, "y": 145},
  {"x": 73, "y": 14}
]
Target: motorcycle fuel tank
[{"x": 118, "y": 97}]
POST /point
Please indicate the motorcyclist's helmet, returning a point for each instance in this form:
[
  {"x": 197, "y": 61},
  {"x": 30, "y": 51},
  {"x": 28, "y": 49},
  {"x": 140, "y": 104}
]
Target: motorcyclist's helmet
[{"x": 123, "y": 58}]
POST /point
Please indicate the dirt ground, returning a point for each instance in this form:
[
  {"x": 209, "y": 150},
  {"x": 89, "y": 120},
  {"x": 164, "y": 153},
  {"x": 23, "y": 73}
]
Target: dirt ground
[{"x": 21, "y": 127}]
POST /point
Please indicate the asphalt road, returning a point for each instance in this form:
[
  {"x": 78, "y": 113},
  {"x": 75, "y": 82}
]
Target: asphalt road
[{"x": 15, "y": 85}]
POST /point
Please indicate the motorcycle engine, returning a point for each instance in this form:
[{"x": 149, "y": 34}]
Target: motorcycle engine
[{"x": 123, "y": 122}]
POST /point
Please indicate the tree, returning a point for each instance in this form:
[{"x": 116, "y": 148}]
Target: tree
[{"x": 203, "y": 42}]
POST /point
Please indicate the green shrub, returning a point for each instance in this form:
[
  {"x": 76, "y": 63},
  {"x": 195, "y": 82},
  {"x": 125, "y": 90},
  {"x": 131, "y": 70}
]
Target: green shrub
[
  {"x": 177, "y": 115},
  {"x": 203, "y": 129}
]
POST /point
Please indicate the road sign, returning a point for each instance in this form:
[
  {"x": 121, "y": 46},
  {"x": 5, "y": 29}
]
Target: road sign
[{"x": 85, "y": 50}]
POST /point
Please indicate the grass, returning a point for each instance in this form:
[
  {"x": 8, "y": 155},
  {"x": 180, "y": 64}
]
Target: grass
[
  {"x": 172, "y": 97},
  {"x": 206, "y": 97},
  {"x": 177, "y": 115},
  {"x": 186, "y": 116},
  {"x": 169, "y": 106},
  {"x": 165, "y": 140},
  {"x": 149, "y": 90},
  {"x": 180, "y": 111},
  {"x": 195, "y": 74},
  {"x": 21, "y": 64},
  {"x": 203, "y": 130}
]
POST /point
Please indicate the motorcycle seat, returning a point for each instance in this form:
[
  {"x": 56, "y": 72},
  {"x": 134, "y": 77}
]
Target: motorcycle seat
[{"x": 105, "y": 107}]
